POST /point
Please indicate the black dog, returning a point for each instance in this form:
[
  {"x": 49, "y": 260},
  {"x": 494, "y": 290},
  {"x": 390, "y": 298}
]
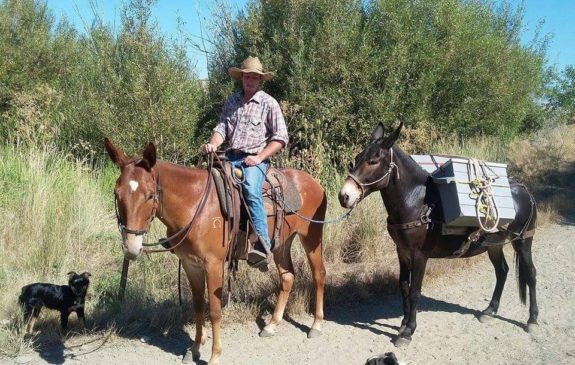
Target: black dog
[
  {"x": 386, "y": 359},
  {"x": 65, "y": 298}
]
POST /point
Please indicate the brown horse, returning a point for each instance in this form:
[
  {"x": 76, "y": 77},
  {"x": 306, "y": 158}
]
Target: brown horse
[
  {"x": 204, "y": 248},
  {"x": 409, "y": 194}
]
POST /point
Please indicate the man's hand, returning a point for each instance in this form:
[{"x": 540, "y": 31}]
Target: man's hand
[
  {"x": 252, "y": 160},
  {"x": 209, "y": 148}
]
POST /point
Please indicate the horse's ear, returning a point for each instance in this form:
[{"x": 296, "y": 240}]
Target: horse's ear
[
  {"x": 390, "y": 140},
  {"x": 378, "y": 132},
  {"x": 116, "y": 154},
  {"x": 149, "y": 157}
]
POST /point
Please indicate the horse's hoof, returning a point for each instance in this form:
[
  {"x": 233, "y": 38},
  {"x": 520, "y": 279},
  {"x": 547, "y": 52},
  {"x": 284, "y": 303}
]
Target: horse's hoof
[
  {"x": 402, "y": 342},
  {"x": 267, "y": 333},
  {"x": 531, "y": 327},
  {"x": 191, "y": 356},
  {"x": 314, "y": 333},
  {"x": 484, "y": 318}
]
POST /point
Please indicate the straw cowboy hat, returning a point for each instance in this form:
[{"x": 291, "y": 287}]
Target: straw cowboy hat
[{"x": 250, "y": 64}]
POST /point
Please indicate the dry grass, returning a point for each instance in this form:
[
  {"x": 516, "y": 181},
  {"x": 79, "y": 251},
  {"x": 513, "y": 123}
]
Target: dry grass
[
  {"x": 430, "y": 141},
  {"x": 546, "y": 163}
]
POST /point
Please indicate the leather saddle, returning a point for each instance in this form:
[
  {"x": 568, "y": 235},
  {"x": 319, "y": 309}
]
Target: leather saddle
[{"x": 280, "y": 195}]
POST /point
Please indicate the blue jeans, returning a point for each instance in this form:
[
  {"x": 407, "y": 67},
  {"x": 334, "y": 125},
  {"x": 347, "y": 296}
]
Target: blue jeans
[{"x": 252, "y": 186}]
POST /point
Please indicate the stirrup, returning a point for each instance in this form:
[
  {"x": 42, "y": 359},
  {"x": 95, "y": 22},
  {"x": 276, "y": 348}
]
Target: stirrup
[{"x": 258, "y": 259}]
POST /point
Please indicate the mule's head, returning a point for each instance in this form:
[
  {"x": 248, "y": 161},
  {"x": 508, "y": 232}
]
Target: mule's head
[
  {"x": 136, "y": 196},
  {"x": 372, "y": 169}
]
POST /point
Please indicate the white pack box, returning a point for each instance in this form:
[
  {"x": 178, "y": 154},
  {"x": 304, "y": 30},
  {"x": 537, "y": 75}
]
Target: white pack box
[{"x": 453, "y": 176}]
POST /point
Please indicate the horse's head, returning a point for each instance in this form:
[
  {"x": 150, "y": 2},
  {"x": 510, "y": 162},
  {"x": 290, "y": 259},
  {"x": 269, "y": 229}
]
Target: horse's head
[
  {"x": 372, "y": 169},
  {"x": 136, "y": 196}
]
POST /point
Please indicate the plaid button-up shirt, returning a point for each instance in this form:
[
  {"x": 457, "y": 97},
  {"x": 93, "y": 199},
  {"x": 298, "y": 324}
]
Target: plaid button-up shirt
[{"x": 251, "y": 126}]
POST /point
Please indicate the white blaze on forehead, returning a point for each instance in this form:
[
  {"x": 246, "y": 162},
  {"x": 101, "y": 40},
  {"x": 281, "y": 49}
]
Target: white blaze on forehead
[
  {"x": 134, "y": 185},
  {"x": 351, "y": 189}
]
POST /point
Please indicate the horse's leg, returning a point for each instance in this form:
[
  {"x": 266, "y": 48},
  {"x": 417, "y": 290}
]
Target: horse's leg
[
  {"x": 526, "y": 274},
  {"x": 404, "y": 279},
  {"x": 418, "y": 264},
  {"x": 497, "y": 258},
  {"x": 312, "y": 244},
  {"x": 282, "y": 258},
  {"x": 197, "y": 279},
  {"x": 215, "y": 275}
]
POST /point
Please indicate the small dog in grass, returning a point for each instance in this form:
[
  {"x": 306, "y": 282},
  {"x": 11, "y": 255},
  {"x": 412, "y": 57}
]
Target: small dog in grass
[{"x": 64, "y": 298}]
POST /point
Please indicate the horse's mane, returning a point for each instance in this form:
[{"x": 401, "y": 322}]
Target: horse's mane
[
  {"x": 410, "y": 163},
  {"x": 178, "y": 167}
]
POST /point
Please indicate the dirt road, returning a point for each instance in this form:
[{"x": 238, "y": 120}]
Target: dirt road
[{"x": 448, "y": 331}]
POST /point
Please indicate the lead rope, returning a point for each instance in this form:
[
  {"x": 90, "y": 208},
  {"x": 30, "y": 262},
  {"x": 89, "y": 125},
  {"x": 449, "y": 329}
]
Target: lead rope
[{"x": 283, "y": 201}]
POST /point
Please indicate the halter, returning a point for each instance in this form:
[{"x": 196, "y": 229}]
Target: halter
[{"x": 387, "y": 175}]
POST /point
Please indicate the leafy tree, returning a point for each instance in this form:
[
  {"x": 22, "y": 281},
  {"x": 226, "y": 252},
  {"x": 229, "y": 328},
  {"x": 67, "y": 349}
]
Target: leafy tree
[
  {"x": 450, "y": 65},
  {"x": 134, "y": 86},
  {"x": 562, "y": 92}
]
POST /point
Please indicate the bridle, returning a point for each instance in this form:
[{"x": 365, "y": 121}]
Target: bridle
[
  {"x": 387, "y": 175},
  {"x": 125, "y": 230}
]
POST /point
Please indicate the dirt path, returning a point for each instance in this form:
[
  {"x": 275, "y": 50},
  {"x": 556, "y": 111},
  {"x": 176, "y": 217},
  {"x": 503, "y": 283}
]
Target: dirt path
[{"x": 448, "y": 331}]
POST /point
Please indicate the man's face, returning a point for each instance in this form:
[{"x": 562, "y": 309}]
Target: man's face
[{"x": 251, "y": 82}]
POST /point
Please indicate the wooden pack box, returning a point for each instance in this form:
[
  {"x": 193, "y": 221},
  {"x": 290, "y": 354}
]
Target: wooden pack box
[{"x": 453, "y": 180}]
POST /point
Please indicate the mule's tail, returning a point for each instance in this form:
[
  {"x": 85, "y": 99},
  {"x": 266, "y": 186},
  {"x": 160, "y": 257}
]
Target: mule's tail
[{"x": 521, "y": 273}]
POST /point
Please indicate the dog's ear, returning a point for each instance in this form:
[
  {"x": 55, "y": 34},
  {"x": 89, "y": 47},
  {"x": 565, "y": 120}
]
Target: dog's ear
[
  {"x": 86, "y": 275},
  {"x": 71, "y": 273}
]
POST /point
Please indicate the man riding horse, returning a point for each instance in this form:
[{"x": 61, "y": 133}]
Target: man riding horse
[{"x": 253, "y": 129}]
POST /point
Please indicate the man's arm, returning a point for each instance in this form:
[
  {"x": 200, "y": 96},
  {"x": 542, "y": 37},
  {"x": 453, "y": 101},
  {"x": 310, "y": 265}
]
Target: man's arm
[
  {"x": 215, "y": 141},
  {"x": 270, "y": 150}
]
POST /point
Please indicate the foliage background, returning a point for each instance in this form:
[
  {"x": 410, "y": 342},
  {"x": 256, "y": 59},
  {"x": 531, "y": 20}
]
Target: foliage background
[
  {"x": 442, "y": 66},
  {"x": 454, "y": 71}
]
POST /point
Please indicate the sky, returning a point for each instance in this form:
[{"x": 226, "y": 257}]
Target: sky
[{"x": 557, "y": 17}]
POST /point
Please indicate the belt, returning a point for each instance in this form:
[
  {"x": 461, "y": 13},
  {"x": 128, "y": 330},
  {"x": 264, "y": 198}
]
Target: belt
[{"x": 239, "y": 152}]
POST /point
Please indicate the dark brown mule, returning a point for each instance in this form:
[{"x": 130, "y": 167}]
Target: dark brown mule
[
  {"x": 407, "y": 190},
  {"x": 203, "y": 251}
]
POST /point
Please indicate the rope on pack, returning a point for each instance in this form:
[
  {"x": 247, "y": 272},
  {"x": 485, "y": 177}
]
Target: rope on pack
[{"x": 481, "y": 185}]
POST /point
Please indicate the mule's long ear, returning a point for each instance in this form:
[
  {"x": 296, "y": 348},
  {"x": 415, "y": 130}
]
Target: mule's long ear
[
  {"x": 149, "y": 157},
  {"x": 71, "y": 273},
  {"x": 116, "y": 154},
  {"x": 390, "y": 140},
  {"x": 378, "y": 132},
  {"x": 86, "y": 275}
]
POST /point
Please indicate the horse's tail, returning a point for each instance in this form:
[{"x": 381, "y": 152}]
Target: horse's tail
[{"x": 521, "y": 273}]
